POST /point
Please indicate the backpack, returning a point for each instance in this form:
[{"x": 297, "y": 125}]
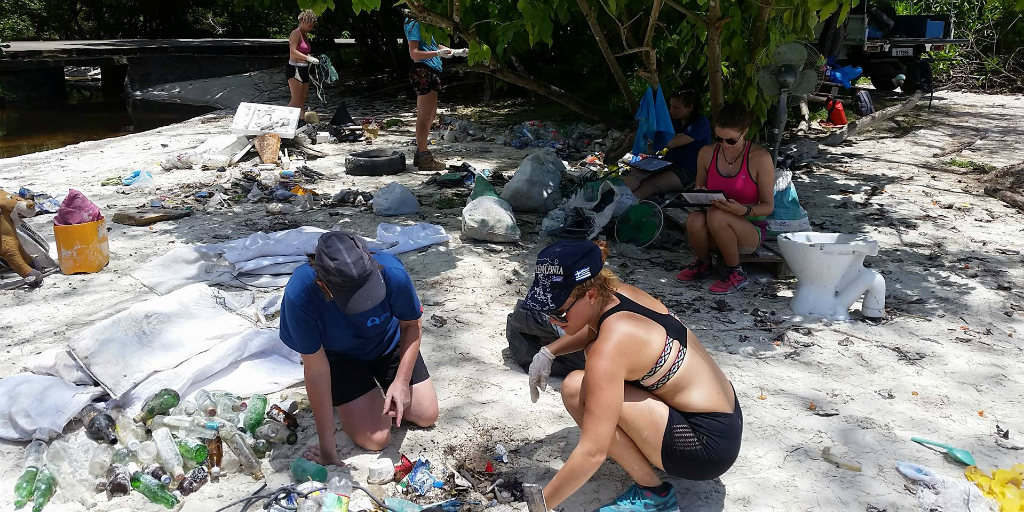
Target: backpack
[
  {"x": 865, "y": 105},
  {"x": 836, "y": 112}
]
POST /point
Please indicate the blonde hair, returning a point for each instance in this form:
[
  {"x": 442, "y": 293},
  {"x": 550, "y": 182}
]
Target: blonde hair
[
  {"x": 307, "y": 16},
  {"x": 605, "y": 282}
]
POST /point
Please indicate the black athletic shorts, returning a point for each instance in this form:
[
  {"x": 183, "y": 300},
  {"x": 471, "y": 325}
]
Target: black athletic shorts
[
  {"x": 424, "y": 79},
  {"x": 352, "y": 379},
  {"x": 300, "y": 73},
  {"x": 701, "y": 446}
]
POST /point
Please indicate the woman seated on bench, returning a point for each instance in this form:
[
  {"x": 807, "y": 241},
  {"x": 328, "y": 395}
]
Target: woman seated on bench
[
  {"x": 745, "y": 174},
  {"x": 693, "y": 131}
]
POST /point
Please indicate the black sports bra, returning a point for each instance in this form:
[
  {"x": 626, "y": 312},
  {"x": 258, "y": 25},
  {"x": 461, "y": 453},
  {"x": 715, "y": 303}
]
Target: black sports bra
[{"x": 674, "y": 331}]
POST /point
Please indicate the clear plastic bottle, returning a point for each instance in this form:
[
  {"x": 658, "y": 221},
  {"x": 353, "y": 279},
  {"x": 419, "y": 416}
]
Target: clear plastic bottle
[
  {"x": 100, "y": 460},
  {"x": 147, "y": 452},
  {"x": 122, "y": 455},
  {"x": 206, "y": 402},
  {"x": 339, "y": 492},
  {"x": 71, "y": 474},
  {"x": 43, "y": 489},
  {"x": 180, "y": 422},
  {"x": 129, "y": 433},
  {"x": 185, "y": 408},
  {"x": 275, "y": 432},
  {"x": 167, "y": 452},
  {"x": 26, "y": 482},
  {"x": 250, "y": 464}
]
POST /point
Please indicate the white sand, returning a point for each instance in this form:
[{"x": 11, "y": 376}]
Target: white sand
[{"x": 942, "y": 242}]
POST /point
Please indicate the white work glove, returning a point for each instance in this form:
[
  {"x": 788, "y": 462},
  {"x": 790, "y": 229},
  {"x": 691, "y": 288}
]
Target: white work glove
[
  {"x": 445, "y": 53},
  {"x": 312, "y": 60},
  {"x": 540, "y": 370},
  {"x": 462, "y": 52}
]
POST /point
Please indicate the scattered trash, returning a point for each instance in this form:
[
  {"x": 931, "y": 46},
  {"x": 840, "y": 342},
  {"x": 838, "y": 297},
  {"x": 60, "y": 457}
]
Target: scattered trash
[
  {"x": 500, "y": 453},
  {"x": 394, "y": 199},
  {"x": 258, "y": 119},
  {"x": 961, "y": 456},
  {"x": 351, "y": 197},
  {"x": 826, "y": 453},
  {"x": 1003, "y": 485},
  {"x": 488, "y": 217},
  {"x": 420, "y": 478},
  {"x": 304, "y": 470},
  {"x": 112, "y": 181},
  {"x": 403, "y": 468},
  {"x": 135, "y": 176},
  {"x": 536, "y": 185},
  {"x": 268, "y": 146},
  {"x": 438, "y": 320},
  {"x": 381, "y": 471}
]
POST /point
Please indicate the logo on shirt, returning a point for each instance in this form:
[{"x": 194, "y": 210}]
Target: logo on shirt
[{"x": 373, "y": 320}]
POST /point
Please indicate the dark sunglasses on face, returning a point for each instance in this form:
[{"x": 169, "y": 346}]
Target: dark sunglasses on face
[
  {"x": 731, "y": 142},
  {"x": 563, "y": 316}
]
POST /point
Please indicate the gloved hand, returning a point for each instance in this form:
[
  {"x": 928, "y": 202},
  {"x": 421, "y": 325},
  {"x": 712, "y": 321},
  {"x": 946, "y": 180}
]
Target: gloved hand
[
  {"x": 540, "y": 370},
  {"x": 312, "y": 60},
  {"x": 445, "y": 53},
  {"x": 462, "y": 52}
]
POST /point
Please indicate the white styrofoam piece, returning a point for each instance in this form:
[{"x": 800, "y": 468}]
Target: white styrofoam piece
[{"x": 259, "y": 118}]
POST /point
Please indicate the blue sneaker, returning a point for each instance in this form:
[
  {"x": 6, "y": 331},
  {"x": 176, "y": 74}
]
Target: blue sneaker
[{"x": 637, "y": 499}]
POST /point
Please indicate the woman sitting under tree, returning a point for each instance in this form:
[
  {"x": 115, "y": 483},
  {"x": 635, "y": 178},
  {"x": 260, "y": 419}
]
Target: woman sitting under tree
[
  {"x": 745, "y": 174},
  {"x": 649, "y": 395}
]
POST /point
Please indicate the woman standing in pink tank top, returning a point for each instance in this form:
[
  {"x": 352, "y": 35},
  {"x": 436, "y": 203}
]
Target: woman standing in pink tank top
[
  {"x": 299, "y": 59},
  {"x": 745, "y": 174}
]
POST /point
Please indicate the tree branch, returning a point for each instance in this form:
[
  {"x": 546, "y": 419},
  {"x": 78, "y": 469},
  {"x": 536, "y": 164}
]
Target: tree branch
[
  {"x": 714, "y": 28},
  {"x": 634, "y": 50},
  {"x": 651, "y": 56},
  {"x": 609, "y": 58},
  {"x": 694, "y": 17},
  {"x": 764, "y": 12}
]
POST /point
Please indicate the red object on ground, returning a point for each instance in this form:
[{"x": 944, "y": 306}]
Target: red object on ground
[
  {"x": 403, "y": 468},
  {"x": 836, "y": 112},
  {"x": 489, "y": 468}
]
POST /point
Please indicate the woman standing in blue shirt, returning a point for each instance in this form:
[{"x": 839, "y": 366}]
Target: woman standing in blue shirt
[
  {"x": 425, "y": 76},
  {"x": 693, "y": 131},
  {"x": 355, "y": 319}
]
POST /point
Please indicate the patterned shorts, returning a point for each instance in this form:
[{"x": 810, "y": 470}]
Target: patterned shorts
[{"x": 424, "y": 79}]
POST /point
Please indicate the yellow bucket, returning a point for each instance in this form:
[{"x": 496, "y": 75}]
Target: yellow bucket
[{"x": 82, "y": 247}]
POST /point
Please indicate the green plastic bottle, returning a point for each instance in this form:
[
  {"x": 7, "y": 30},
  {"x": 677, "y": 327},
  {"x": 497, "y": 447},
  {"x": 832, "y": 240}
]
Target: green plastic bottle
[
  {"x": 255, "y": 413},
  {"x": 43, "y": 489},
  {"x": 152, "y": 489},
  {"x": 26, "y": 482},
  {"x": 304, "y": 470},
  {"x": 161, "y": 404},
  {"x": 261, "y": 447},
  {"x": 193, "y": 449}
]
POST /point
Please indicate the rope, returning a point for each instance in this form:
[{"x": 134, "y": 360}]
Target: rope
[
  {"x": 280, "y": 496},
  {"x": 322, "y": 73}
]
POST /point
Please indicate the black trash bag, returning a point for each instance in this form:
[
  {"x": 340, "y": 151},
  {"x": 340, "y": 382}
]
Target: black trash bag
[{"x": 527, "y": 331}]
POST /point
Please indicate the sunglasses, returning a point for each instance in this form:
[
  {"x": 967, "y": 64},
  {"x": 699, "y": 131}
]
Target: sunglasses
[
  {"x": 563, "y": 316},
  {"x": 731, "y": 142}
]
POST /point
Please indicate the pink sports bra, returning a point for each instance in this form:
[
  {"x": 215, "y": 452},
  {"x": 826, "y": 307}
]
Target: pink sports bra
[
  {"x": 741, "y": 188},
  {"x": 303, "y": 45}
]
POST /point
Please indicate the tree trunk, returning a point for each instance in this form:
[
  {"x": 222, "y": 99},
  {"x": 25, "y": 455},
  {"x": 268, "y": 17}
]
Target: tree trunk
[
  {"x": 867, "y": 122},
  {"x": 651, "y": 55},
  {"x": 609, "y": 57},
  {"x": 715, "y": 83},
  {"x": 764, "y": 12},
  {"x": 805, "y": 115},
  {"x": 549, "y": 91}
]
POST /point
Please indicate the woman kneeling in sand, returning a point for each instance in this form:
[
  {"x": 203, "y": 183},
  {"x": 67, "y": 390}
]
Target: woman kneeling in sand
[{"x": 650, "y": 393}]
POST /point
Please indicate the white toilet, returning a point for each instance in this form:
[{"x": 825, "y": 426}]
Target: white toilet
[{"x": 829, "y": 268}]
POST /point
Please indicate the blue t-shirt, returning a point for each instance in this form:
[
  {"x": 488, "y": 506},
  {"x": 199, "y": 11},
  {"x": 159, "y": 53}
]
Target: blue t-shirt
[
  {"x": 310, "y": 321},
  {"x": 412, "y": 33},
  {"x": 699, "y": 128}
]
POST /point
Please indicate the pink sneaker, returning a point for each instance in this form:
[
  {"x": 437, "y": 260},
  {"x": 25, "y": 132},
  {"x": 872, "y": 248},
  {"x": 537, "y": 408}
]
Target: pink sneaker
[
  {"x": 733, "y": 281},
  {"x": 695, "y": 270}
]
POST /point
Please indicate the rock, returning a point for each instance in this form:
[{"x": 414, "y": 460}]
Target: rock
[{"x": 148, "y": 216}]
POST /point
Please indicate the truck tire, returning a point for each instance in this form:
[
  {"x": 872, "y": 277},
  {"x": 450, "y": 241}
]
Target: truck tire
[
  {"x": 375, "y": 162},
  {"x": 919, "y": 78},
  {"x": 883, "y": 82}
]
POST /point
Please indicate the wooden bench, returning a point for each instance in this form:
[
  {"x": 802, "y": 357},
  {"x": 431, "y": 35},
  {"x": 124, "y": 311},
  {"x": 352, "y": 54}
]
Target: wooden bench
[{"x": 768, "y": 254}]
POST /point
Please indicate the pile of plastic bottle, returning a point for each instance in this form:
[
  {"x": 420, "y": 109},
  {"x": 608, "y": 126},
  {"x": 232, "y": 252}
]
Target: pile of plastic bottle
[{"x": 167, "y": 451}]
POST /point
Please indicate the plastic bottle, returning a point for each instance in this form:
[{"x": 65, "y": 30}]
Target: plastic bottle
[
  {"x": 276, "y": 413},
  {"x": 246, "y": 458},
  {"x": 206, "y": 402},
  {"x": 157, "y": 472},
  {"x": 152, "y": 489},
  {"x": 215, "y": 456},
  {"x": 43, "y": 489},
  {"x": 161, "y": 404},
  {"x": 254, "y": 413},
  {"x": 304, "y": 470},
  {"x": 167, "y": 452},
  {"x": 72, "y": 475},
  {"x": 129, "y": 433},
  {"x": 181, "y": 422},
  {"x": 193, "y": 481},
  {"x": 26, "y": 482},
  {"x": 185, "y": 408},
  {"x": 275, "y": 432},
  {"x": 99, "y": 425},
  {"x": 100, "y": 460},
  {"x": 261, "y": 447},
  {"x": 196, "y": 431},
  {"x": 339, "y": 491},
  {"x": 122, "y": 455},
  {"x": 147, "y": 452},
  {"x": 229, "y": 407},
  {"x": 119, "y": 480},
  {"x": 192, "y": 449}
]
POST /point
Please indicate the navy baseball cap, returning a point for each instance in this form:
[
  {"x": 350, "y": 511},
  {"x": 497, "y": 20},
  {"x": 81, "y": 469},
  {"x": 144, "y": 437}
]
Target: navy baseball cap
[
  {"x": 560, "y": 267},
  {"x": 349, "y": 271}
]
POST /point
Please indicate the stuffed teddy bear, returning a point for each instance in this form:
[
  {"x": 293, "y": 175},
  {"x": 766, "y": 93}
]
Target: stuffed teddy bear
[{"x": 10, "y": 247}]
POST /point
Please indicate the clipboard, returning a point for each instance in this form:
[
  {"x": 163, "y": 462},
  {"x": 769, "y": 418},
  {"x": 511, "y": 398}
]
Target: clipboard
[
  {"x": 700, "y": 197},
  {"x": 651, "y": 164}
]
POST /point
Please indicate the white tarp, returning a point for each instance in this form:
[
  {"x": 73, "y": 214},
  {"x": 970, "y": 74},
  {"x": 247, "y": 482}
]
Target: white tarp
[
  {"x": 39, "y": 406},
  {"x": 156, "y": 335}
]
